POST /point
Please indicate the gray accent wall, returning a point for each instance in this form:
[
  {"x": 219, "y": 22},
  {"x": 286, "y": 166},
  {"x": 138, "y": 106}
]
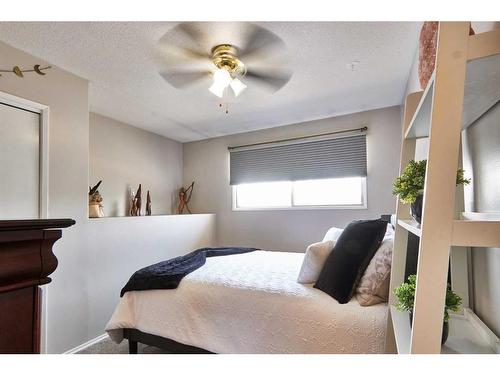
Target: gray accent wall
[
  {"x": 482, "y": 143},
  {"x": 123, "y": 156},
  {"x": 207, "y": 163}
]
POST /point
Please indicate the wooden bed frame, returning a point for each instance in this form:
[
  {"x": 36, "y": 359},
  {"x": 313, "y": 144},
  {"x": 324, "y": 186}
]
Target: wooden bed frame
[{"x": 134, "y": 336}]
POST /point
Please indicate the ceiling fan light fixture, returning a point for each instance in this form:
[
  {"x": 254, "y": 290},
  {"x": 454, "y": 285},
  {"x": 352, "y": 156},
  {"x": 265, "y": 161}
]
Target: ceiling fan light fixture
[
  {"x": 237, "y": 86},
  {"x": 217, "y": 90},
  {"x": 222, "y": 79},
  {"x": 186, "y": 44}
]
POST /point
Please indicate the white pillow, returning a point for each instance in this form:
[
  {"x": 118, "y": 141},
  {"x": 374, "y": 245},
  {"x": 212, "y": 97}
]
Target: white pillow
[
  {"x": 313, "y": 262},
  {"x": 333, "y": 234}
]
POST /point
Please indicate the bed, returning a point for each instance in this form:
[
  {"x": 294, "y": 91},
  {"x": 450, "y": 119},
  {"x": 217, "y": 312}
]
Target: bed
[{"x": 247, "y": 303}]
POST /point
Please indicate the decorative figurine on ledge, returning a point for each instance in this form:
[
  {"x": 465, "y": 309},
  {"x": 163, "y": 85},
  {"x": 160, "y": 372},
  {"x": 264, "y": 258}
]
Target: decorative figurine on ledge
[
  {"x": 95, "y": 202},
  {"x": 135, "y": 209},
  {"x": 184, "y": 198},
  {"x": 148, "y": 205}
]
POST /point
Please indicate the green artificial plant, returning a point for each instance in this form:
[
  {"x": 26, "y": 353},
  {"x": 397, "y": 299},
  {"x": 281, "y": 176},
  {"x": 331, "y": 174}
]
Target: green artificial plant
[
  {"x": 406, "y": 297},
  {"x": 411, "y": 182}
]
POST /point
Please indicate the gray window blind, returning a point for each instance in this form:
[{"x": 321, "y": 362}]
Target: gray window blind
[{"x": 330, "y": 158}]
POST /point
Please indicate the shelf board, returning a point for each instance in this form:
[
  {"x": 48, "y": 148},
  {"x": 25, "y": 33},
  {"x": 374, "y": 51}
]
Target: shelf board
[
  {"x": 480, "y": 216},
  {"x": 484, "y": 44},
  {"x": 145, "y": 216},
  {"x": 481, "y": 92},
  {"x": 477, "y": 229},
  {"x": 467, "y": 334},
  {"x": 411, "y": 226},
  {"x": 473, "y": 230}
]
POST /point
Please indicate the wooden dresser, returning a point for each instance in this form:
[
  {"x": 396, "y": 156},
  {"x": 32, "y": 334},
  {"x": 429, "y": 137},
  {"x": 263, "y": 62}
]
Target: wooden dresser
[{"x": 26, "y": 261}]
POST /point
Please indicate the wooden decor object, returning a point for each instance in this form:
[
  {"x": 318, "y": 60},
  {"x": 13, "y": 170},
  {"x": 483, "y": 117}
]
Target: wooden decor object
[
  {"x": 148, "y": 205},
  {"x": 26, "y": 261},
  {"x": 135, "y": 209},
  {"x": 427, "y": 52},
  {"x": 95, "y": 202},
  {"x": 184, "y": 198}
]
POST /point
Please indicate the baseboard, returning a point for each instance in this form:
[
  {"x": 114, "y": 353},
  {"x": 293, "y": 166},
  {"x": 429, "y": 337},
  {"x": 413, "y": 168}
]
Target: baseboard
[{"x": 87, "y": 344}]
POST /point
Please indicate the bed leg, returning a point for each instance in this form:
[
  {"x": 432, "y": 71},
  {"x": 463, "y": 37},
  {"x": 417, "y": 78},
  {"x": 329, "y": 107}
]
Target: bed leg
[{"x": 132, "y": 347}]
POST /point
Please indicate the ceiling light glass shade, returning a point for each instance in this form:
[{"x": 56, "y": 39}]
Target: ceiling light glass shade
[
  {"x": 222, "y": 79},
  {"x": 217, "y": 90},
  {"x": 237, "y": 86}
]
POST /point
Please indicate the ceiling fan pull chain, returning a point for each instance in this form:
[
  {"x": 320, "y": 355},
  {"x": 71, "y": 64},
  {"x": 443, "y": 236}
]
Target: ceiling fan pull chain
[{"x": 224, "y": 100}]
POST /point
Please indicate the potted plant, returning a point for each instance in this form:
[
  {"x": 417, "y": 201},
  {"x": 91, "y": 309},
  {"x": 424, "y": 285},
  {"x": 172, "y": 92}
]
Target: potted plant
[
  {"x": 410, "y": 186},
  {"x": 406, "y": 298}
]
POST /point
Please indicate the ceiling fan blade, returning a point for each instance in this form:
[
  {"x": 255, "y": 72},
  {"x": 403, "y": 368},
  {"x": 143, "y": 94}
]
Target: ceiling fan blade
[
  {"x": 192, "y": 31},
  {"x": 260, "y": 41},
  {"x": 184, "y": 41},
  {"x": 181, "y": 79},
  {"x": 175, "y": 52},
  {"x": 272, "y": 80},
  {"x": 167, "y": 45}
]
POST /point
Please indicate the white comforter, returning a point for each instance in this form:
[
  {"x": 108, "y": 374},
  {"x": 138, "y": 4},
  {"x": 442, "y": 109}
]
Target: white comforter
[{"x": 252, "y": 303}]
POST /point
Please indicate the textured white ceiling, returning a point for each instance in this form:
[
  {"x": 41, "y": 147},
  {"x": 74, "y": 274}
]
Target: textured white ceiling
[{"x": 118, "y": 60}]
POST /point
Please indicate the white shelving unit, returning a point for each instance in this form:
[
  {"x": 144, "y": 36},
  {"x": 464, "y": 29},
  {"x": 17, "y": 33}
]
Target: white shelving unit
[{"x": 464, "y": 86}]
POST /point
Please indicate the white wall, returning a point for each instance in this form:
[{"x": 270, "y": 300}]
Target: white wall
[
  {"x": 123, "y": 156},
  {"x": 95, "y": 255},
  {"x": 117, "y": 247},
  {"x": 207, "y": 163}
]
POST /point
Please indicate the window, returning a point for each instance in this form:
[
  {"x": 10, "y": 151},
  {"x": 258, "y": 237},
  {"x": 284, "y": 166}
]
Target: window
[
  {"x": 327, "y": 172},
  {"x": 323, "y": 193}
]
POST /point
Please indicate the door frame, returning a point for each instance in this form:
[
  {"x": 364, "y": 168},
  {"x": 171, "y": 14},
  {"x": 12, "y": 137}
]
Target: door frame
[{"x": 43, "y": 189}]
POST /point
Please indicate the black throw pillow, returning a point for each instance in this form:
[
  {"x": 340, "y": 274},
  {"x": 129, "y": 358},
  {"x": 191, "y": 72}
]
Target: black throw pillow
[{"x": 349, "y": 258}]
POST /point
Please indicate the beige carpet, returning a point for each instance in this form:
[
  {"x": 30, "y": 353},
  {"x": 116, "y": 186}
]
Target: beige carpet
[{"x": 109, "y": 347}]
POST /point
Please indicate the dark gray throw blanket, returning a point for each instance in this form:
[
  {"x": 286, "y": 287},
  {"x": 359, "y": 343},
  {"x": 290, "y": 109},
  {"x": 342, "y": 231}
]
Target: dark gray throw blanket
[{"x": 168, "y": 274}]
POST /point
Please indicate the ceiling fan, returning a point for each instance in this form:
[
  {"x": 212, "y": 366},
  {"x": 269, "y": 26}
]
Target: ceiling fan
[{"x": 249, "y": 56}]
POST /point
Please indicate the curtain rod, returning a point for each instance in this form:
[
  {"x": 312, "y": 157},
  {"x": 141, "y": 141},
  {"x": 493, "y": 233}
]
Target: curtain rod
[{"x": 363, "y": 129}]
